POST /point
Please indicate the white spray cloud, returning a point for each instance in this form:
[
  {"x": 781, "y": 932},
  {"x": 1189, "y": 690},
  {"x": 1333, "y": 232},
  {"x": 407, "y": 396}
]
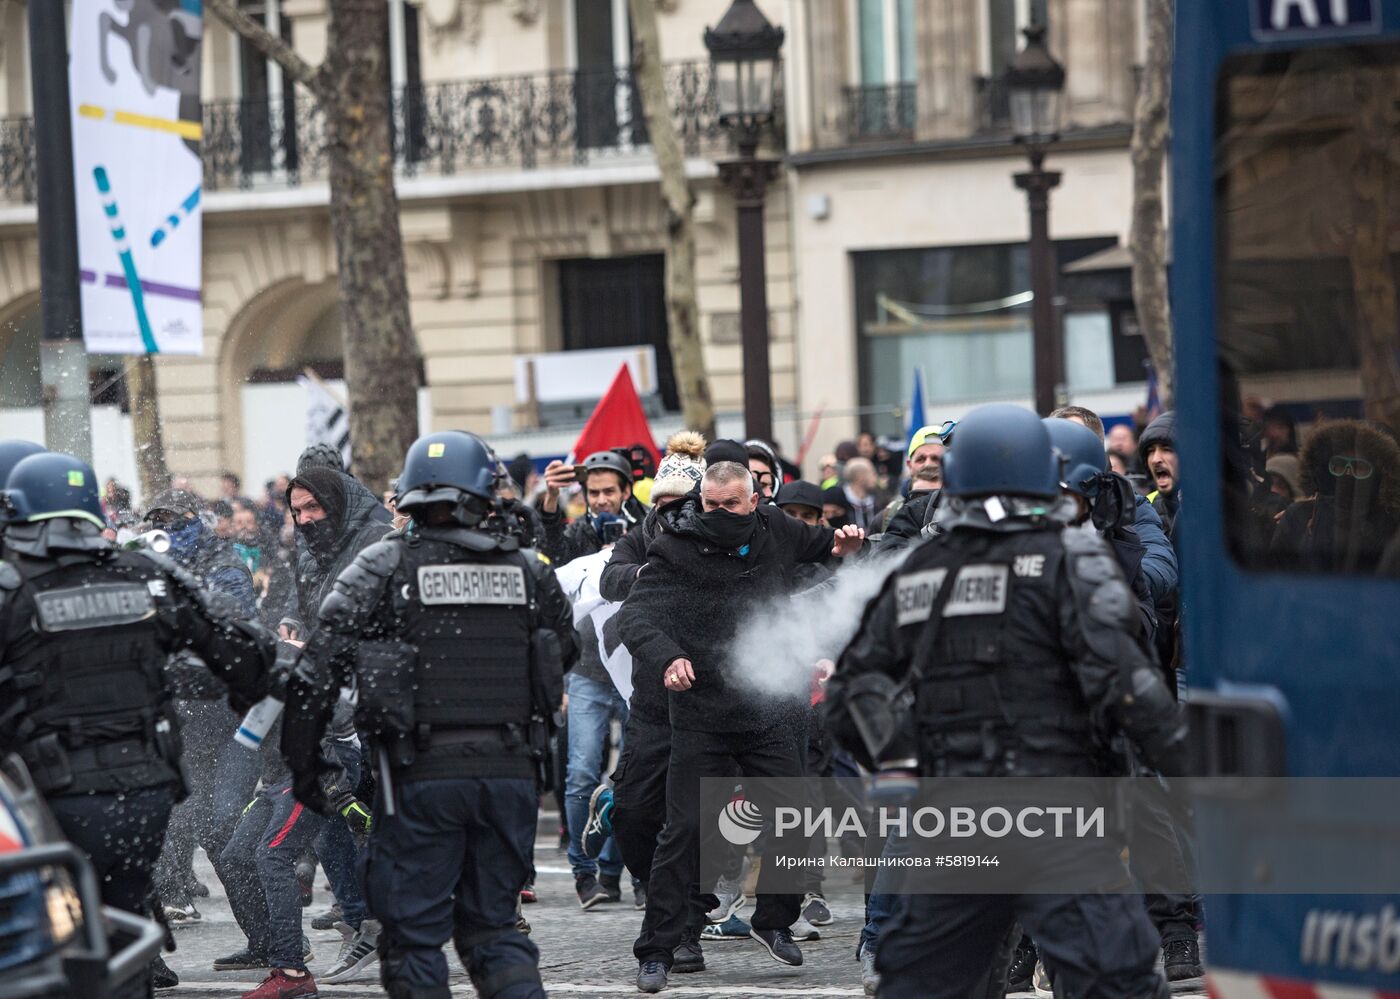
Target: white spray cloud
[{"x": 779, "y": 642}]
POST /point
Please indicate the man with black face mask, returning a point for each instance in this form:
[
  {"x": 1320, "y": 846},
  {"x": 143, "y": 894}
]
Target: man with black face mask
[
  {"x": 712, "y": 561},
  {"x": 334, "y": 529}
]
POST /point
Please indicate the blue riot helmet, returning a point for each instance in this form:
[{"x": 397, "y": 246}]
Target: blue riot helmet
[
  {"x": 1001, "y": 450},
  {"x": 51, "y": 485},
  {"x": 12, "y": 453},
  {"x": 1081, "y": 453},
  {"x": 449, "y": 467}
]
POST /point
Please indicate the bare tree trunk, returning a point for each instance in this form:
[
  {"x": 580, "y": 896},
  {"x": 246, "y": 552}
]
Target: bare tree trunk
[
  {"x": 381, "y": 353},
  {"x": 682, "y": 312},
  {"x": 145, "y": 427},
  {"x": 1148, "y": 241}
]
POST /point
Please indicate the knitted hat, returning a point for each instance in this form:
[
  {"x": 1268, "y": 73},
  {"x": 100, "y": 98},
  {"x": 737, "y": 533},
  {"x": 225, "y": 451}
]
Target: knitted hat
[{"x": 682, "y": 468}]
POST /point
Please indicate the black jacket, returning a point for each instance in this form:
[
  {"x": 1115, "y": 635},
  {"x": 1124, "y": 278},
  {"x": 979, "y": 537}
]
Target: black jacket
[
  {"x": 909, "y": 520},
  {"x": 562, "y": 543},
  {"x": 691, "y": 597}
]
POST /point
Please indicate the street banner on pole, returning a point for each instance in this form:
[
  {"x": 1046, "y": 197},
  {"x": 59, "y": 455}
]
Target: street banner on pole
[{"x": 134, "y": 88}]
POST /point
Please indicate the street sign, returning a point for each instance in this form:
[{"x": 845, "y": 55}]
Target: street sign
[{"x": 1280, "y": 19}]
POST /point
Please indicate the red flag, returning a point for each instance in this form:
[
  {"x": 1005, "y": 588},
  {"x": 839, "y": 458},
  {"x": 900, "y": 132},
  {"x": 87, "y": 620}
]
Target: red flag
[{"x": 617, "y": 421}]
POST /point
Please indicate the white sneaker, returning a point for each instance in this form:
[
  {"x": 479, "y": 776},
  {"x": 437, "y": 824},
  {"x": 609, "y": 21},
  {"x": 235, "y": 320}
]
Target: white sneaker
[
  {"x": 731, "y": 900},
  {"x": 358, "y": 951},
  {"x": 869, "y": 977},
  {"x": 815, "y": 910},
  {"x": 1040, "y": 982},
  {"x": 803, "y": 930}
]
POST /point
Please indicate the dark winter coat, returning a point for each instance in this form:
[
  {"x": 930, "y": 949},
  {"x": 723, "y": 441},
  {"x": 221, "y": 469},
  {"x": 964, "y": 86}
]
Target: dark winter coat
[
  {"x": 562, "y": 543},
  {"x": 690, "y": 599},
  {"x": 215, "y": 566},
  {"x": 907, "y": 524},
  {"x": 1348, "y": 523}
]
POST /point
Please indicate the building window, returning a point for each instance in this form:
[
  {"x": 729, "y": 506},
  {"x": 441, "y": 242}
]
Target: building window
[
  {"x": 962, "y": 314},
  {"x": 882, "y": 103},
  {"x": 267, "y": 109},
  {"x": 607, "y": 106},
  {"x": 407, "y": 99}
]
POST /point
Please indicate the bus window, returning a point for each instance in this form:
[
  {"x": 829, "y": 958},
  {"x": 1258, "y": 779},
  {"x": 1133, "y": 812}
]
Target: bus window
[{"x": 1308, "y": 307}]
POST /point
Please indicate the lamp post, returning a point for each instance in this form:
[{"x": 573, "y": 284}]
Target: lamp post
[
  {"x": 1036, "y": 83},
  {"x": 743, "y": 50}
]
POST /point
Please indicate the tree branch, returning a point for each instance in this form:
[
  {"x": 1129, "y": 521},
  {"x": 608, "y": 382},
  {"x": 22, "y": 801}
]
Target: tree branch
[{"x": 268, "y": 44}]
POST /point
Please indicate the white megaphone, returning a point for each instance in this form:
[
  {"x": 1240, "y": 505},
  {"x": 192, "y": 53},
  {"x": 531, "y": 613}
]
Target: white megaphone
[{"x": 152, "y": 541}]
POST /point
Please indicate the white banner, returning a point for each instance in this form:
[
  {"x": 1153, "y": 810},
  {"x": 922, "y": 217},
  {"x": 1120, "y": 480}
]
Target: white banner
[
  {"x": 134, "y": 85},
  {"x": 327, "y": 422}
]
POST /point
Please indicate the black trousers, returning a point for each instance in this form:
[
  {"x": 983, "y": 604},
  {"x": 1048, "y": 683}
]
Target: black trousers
[
  {"x": 675, "y": 871},
  {"x": 122, "y": 836},
  {"x": 449, "y": 865},
  {"x": 639, "y": 792},
  {"x": 947, "y": 946}
]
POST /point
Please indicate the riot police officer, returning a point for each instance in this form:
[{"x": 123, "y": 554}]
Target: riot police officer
[
  {"x": 456, "y": 640},
  {"x": 85, "y": 631},
  {"x": 1017, "y": 634}
]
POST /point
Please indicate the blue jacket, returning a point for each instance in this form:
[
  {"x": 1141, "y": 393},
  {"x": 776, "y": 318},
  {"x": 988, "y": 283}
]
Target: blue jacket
[{"x": 1159, "y": 563}]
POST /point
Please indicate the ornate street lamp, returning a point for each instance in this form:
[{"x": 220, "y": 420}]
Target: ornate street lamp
[
  {"x": 1036, "y": 85},
  {"x": 744, "y": 68}
]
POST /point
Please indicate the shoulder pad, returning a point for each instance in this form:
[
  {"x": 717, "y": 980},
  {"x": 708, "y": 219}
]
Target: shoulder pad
[
  {"x": 534, "y": 555},
  {"x": 379, "y": 559},
  {"x": 10, "y": 579},
  {"x": 1096, "y": 582}
]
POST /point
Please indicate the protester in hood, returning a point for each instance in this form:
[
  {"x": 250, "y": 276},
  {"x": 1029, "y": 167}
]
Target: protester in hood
[
  {"x": 1285, "y": 474},
  {"x": 1351, "y": 472},
  {"x": 836, "y": 508},
  {"x": 335, "y": 523},
  {"x": 1157, "y": 451}
]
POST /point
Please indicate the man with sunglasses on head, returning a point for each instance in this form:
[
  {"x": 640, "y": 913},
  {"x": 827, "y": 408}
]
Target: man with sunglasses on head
[
  {"x": 914, "y": 518},
  {"x": 1157, "y": 450}
]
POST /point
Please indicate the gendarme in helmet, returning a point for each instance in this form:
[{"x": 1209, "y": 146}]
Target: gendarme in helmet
[
  {"x": 12, "y": 452},
  {"x": 1082, "y": 453},
  {"x": 1001, "y": 450},
  {"x": 449, "y": 467},
  {"x": 51, "y": 501}
]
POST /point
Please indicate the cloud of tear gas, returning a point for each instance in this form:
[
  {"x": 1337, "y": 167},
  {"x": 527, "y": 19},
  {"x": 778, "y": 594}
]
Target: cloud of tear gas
[{"x": 777, "y": 645}]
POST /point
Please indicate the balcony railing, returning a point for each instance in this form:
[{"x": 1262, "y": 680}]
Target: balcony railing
[
  {"x": 882, "y": 111},
  {"x": 440, "y": 129}
]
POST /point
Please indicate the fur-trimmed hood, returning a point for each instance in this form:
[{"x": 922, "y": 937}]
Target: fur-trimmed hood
[{"x": 1358, "y": 439}]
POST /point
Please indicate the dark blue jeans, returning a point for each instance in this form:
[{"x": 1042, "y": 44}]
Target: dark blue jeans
[
  {"x": 449, "y": 863},
  {"x": 592, "y": 707},
  {"x": 122, "y": 836},
  {"x": 271, "y": 835}
]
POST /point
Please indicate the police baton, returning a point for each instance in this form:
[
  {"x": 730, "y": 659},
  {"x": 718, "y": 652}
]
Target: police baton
[{"x": 386, "y": 780}]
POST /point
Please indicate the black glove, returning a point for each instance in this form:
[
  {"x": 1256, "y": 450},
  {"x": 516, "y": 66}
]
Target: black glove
[
  {"x": 357, "y": 816},
  {"x": 308, "y": 790}
]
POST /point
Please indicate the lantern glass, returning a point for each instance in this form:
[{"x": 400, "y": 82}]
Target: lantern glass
[{"x": 1035, "y": 114}]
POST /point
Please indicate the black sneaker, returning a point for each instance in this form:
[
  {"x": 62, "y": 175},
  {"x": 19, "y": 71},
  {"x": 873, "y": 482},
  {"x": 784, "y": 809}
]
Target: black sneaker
[
  {"x": 651, "y": 976},
  {"x": 612, "y": 884},
  {"x": 1019, "y": 975},
  {"x": 162, "y": 977},
  {"x": 779, "y": 945},
  {"x": 1182, "y": 959},
  {"x": 590, "y": 892},
  {"x": 243, "y": 960},
  {"x": 688, "y": 957}
]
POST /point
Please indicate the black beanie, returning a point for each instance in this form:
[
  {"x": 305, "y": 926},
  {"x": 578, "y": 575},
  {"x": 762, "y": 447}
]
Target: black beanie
[{"x": 727, "y": 450}]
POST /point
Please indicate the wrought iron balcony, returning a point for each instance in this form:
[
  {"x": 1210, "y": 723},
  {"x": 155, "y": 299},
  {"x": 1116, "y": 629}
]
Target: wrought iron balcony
[
  {"x": 881, "y": 111},
  {"x": 522, "y": 122}
]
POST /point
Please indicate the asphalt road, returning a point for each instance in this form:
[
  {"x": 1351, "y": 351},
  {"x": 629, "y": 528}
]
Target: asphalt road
[{"x": 581, "y": 953}]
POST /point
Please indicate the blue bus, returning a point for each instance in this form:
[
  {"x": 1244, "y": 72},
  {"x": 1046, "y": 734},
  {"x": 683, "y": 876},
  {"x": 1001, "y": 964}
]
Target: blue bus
[{"x": 1285, "y": 163}]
